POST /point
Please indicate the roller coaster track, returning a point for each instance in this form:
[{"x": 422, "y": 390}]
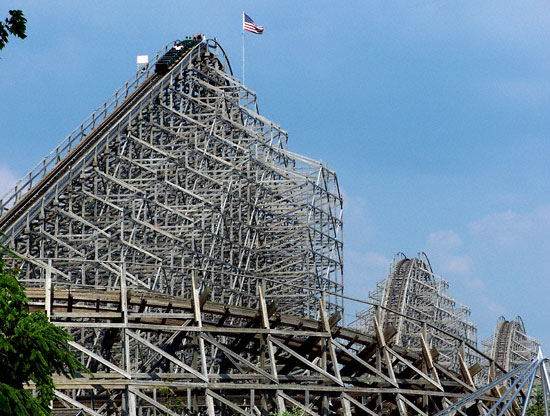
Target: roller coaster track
[
  {"x": 84, "y": 142},
  {"x": 503, "y": 342},
  {"x": 511, "y": 346},
  {"x": 413, "y": 294}
]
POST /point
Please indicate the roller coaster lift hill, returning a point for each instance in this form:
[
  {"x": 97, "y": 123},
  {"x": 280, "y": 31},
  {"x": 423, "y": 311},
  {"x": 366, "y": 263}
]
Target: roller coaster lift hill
[{"x": 174, "y": 55}]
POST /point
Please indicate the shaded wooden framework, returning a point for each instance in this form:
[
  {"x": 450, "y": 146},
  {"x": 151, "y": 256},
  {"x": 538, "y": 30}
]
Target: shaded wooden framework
[
  {"x": 178, "y": 174},
  {"x": 153, "y": 353}
]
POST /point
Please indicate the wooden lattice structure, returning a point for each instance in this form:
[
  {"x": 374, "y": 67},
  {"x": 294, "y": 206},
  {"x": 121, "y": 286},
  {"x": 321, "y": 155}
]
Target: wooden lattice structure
[
  {"x": 510, "y": 346},
  {"x": 412, "y": 294},
  {"x": 178, "y": 174}
]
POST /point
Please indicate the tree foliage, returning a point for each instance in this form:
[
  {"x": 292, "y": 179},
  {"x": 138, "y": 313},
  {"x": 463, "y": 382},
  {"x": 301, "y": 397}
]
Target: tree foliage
[
  {"x": 15, "y": 24},
  {"x": 31, "y": 349},
  {"x": 294, "y": 412},
  {"x": 536, "y": 406}
]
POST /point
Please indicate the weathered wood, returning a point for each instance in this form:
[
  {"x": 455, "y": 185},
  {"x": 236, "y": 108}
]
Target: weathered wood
[{"x": 227, "y": 403}]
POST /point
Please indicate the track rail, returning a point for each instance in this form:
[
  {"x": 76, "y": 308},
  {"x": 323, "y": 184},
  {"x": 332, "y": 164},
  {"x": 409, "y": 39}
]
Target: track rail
[
  {"x": 22, "y": 203},
  {"x": 74, "y": 156}
]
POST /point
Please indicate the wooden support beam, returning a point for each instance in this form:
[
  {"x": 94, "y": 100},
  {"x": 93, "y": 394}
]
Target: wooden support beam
[
  {"x": 176, "y": 361},
  {"x": 152, "y": 401},
  {"x": 75, "y": 403},
  {"x": 297, "y": 404},
  {"x": 359, "y": 404},
  {"x": 228, "y": 403},
  {"x": 306, "y": 362}
]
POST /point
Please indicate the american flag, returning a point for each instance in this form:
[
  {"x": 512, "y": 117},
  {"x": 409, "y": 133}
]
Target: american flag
[{"x": 250, "y": 26}]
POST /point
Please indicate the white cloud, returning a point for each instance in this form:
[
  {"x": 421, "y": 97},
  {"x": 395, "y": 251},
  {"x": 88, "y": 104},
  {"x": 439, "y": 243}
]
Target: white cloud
[
  {"x": 476, "y": 284},
  {"x": 509, "y": 228},
  {"x": 7, "y": 180},
  {"x": 445, "y": 240},
  {"x": 458, "y": 265},
  {"x": 377, "y": 260},
  {"x": 358, "y": 226},
  {"x": 441, "y": 248},
  {"x": 371, "y": 265},
  {"x": 493, "y": 306}
]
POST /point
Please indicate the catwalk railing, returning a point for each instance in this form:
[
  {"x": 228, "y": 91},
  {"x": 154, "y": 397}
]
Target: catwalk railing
[{"x": 23, "y": 185}]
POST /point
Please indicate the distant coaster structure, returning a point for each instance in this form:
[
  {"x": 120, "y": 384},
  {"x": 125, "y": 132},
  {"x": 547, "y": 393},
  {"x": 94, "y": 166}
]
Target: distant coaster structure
[
  {"x": 198, "y": 263},
  {"x": 413, "y": 294},
  {"x": 510, "y": 346}
]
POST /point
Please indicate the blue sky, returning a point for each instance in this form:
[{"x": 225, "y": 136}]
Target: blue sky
[{"x": 434, "y": 115}]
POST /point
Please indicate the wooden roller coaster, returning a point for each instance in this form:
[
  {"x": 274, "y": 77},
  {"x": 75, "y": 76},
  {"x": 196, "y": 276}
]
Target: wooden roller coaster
[{"x": 198, "y": 264}]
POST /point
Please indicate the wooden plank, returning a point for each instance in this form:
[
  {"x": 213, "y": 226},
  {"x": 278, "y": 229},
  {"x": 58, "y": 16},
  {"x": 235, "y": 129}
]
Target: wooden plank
[
  {"x": 100, "y": 359},
  {"x": 67, "y": 399},
  {"x": 90, "y": 315},
  {"x": 216, "y": 330},
  {"x": 152, "y": 401},
  {"x": 265, "y": 324},
  {"x": 334, "y": 359},
  {"x": 227, "y": 403},
  {"x": 463, "y": 367},
  {"x": 450, "y": 375},
  {"x": 198, "y": 320},
  {"x": 428, "y": 357},
  {"x": 297, "y": 404},
  {"x": 411, "y": 405},
  {"x": 345, "y": 405},
  {"x": 121, "y": 383},
  {"x": 416, "y": 370},
  {"x": 365, "y": 364},
  {"x": 389, "y": 365},
  {"x": 48, "y": 289},
  {"x": 166, "y": 355},
  {"x": 359, "y": 405},
  {"x": 306, "y": 362},
  {"x": 239, "y": 358}
]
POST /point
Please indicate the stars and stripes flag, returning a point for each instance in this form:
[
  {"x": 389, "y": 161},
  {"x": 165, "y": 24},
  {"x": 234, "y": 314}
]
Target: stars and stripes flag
[{"x": 250, "y": 26}]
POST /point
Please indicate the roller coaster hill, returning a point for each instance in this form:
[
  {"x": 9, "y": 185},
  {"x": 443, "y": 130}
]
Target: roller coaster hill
[{"x": 198, "y": 265}]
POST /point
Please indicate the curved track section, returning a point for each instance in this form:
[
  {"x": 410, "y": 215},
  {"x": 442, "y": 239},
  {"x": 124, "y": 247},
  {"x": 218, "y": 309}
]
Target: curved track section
[
  {"x": 404, "y": 275},
  {"x": 511, "y": 344},
  {"x": 411, "y": 294}
]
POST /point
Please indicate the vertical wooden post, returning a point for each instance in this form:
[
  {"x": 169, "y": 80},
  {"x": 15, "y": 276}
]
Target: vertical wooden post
[
  {"x": 130, "y": 397},
  {"x": 198, "y": 321},
  {"x": 324, "y": 324},
  {"x": 48, "y": 297}
]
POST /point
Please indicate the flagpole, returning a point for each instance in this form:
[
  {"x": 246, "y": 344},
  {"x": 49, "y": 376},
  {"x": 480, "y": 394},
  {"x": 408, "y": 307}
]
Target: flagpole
[{"x": 243, "y": 49}]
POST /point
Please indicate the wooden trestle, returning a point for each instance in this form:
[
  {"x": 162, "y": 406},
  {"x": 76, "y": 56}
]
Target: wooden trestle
[{"x": 212, "y": 358}]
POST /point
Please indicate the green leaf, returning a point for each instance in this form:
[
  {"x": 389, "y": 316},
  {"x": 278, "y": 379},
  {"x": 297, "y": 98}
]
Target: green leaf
[
  {"x": 15, "y": 25},
  {"x": 31, "y": 349}
]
